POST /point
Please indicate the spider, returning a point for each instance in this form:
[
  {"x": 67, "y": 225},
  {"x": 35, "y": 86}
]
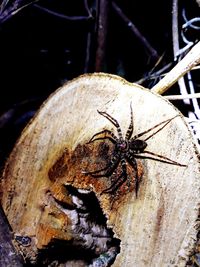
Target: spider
[{"x": 126, "y": 150}]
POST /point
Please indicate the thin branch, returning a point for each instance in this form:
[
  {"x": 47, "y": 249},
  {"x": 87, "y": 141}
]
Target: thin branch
[
  {"x": 192, "y": 91},
  {"x": 7, "y": 13},
  {"x": 87, "y": 8},
  {"x": 62, "y": 16},
  {"x": 185, "y": 65},
  {"x": 176, "y": 47},
  {"x": 102, "y": 27},
  {"x": 155, "y": 75},
  {"x": 136, "y": 32},
  {"x": 181, "y": 97},
  {"x": 88, "y": 52},
  {"x": 175, "y": 27},
  {"x": 3, "y": 5},
  {"x": 89, "y": 42},
  {"x": 190, "y": 23}
]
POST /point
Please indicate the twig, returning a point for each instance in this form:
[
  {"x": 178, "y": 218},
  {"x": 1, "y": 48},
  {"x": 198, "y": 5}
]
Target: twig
[
  {"x": 7, "y": 13},
  {"x": 155, "y": 75},
  {"x": 185, "y": 65},
  {"x": 189, "y": 23},
  {"x": 136, "y": 32},
  {"x": 192, "y": 91},
  {"x": 87, "y": 8},
  {"x": 175, "y": 27},
  {"x": 3, "y": 5},
  {"x": 181, "y": 97},
  {"x": 176, "y": 48},
  {"x": 88, "y": 52},
  {"x": 189, "y": 77},
  {"x": 102, "y": 26},
  {"x": 62, "y": 16}
]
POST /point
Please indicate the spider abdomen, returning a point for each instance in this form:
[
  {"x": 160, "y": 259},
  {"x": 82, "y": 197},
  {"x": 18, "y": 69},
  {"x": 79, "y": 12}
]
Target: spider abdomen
[{"x": 137, "y": 145}]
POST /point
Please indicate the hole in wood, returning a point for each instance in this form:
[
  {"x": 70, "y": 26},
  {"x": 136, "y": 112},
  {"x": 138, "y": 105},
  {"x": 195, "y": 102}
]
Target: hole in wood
[{"x": 93, "y": 243}]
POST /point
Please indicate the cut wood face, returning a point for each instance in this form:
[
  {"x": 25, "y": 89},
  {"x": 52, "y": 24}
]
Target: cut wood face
[{"x": 49, "y": 196}]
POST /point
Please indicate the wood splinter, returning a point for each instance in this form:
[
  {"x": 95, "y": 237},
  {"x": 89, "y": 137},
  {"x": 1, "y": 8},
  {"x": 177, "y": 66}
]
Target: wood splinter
[{"x": 48, "y": 196}]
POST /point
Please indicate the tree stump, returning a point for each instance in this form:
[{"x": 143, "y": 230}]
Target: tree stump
[{"x": 57, "y": 210}]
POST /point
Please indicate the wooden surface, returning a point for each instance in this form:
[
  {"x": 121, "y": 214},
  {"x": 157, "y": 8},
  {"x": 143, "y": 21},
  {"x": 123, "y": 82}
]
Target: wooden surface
[{"x": 158, "y": 228}]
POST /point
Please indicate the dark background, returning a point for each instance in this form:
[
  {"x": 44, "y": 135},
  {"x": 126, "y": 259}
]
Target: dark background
[{"x": 41, "y": 49}]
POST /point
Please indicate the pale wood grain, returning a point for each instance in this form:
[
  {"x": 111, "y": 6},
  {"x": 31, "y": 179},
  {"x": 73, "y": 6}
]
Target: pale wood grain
[{"x": 158, "y": 228}]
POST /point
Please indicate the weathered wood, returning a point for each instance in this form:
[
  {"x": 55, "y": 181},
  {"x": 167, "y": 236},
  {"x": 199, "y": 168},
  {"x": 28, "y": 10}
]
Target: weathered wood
[{"x": 50, "y": 161}]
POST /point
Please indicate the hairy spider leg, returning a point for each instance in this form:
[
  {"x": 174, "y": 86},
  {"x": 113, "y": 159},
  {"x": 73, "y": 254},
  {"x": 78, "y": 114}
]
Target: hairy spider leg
[
  {"x": 109, "y": 169},
  {"x": 112, "y": 137},
  {"x": 161, "y": 127},
  {"x": 113, "y": 121},
  {"x": 117, "y": 183},
  {"x": 131, "y": 160},
  {"x": 155, "y": 126},
  {"x": 160, "y": 158},
  {"x": 130, "y": 128}
]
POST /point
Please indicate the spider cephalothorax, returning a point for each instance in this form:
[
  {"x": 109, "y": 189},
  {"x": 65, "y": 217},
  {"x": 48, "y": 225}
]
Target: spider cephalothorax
[{"x": 126, "y": 150}]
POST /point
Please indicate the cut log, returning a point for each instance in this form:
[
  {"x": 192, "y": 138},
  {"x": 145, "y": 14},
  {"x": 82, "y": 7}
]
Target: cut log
[
  {"x": 8, "y": 255},
  {"x": 51, "y": 197}
]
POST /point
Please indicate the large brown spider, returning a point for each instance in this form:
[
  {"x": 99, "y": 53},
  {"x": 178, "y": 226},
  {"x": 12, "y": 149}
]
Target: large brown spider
[{"x": 127, "y": 150}]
